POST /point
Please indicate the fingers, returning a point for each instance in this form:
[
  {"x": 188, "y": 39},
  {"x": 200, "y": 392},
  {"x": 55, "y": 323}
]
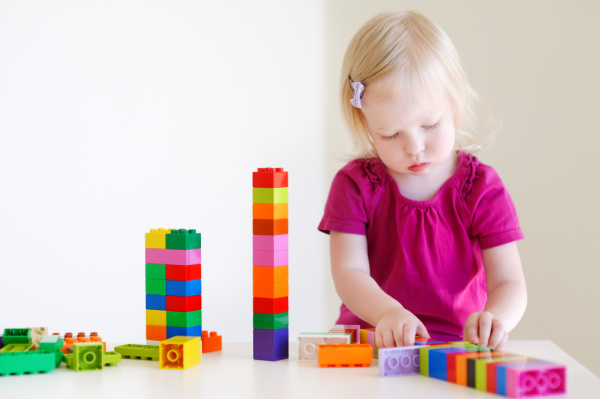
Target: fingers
[
  {"x": 471, "y": 329},
  {"x": 410, "y": 330},
  {"x": 498, "y": 335},
  {"x": 422, "y": 331},
  {"x": 485, "y": 328}
]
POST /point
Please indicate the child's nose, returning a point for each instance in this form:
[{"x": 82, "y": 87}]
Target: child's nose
[{"x": 414, "y": 144}]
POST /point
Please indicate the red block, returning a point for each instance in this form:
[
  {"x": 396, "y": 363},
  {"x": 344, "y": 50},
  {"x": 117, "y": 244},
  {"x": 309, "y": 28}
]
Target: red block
[
  {"x": 183, "y": 273},
  {"x": 270, "y": 178},
  {"x": 184, "y": 303},
  {"x": 271, "y": 305}
]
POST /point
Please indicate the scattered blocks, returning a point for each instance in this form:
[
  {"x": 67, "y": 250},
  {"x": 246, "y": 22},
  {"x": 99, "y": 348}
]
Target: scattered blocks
[
  {"x": 351, "y": 355},
  {"x": 308, "y": 344},
  {"x": 211, "y": 342},
  {"x": 143, "y": 352},
  {"x": 180, "y": 352}
]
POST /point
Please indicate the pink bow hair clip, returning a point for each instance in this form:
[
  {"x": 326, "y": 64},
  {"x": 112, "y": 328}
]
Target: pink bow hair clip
[{"x": 358, "y": 89}]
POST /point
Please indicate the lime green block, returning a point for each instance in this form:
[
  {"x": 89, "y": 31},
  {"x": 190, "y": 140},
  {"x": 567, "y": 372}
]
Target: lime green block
[
  {"x": 271, "y": 321},
  {"x": 156, "y": 287},
  {"x": 184, "y": 319},
  {"x": 16, "y": 348},
  {"x": 270, "y": 195},
  {"x": 481, "y": 368},
  {"x": 424, "y": 353},
  {"x": 156, "y": 272}
]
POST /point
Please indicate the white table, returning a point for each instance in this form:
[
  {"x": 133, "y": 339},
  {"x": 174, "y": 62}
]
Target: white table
[{"x": 233, "y": 373}]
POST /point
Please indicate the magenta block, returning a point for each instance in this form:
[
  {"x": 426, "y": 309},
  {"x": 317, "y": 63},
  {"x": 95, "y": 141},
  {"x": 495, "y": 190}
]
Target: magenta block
[
  {"x": 182, "y": 257},
  {"x": 270, "y": 258},
  {"x": 270, "y": 243},
  {"x": 538, "y": 380}
]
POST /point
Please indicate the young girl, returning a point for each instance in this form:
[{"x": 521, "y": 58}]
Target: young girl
[{"x": 422, "y": 234}]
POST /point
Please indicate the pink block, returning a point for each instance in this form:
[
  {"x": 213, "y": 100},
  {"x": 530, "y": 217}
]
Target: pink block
[
  {"x": 371, "y": 341},
  {"x": 536, "y": 380},
  {"x": 270, "y": 243},
  {"x": 270, "y": 258},
  {"x": 182, "y": 257}
]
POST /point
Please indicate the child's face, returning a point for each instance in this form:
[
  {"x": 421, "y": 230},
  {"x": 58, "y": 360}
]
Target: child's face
[{"x": 411, "y": 135}]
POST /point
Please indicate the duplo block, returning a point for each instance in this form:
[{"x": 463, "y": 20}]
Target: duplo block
[
  {"x": 351, "y": 355},
  {"x": 270, "y": 305},
  {"x": 270, "y": 243},
  {"x": 184, "y": 288},
  {"x": 535, "y": 380},
  {"x": 269, "y": 226},
  {"x": 270, "y": 258},
  {"x": 401, "y": 360},
  {"x": 308, "y": 344},
  {"x": 17, "y": 336},
  {"x": 264, "y": 321},
  {"x": 156, "y": 302},
  {"x": 438, "y": 360},
  {"x": 16, "y": 348},
  {"x": 269, "y": 195},
  {"x": 183, "y": 239},
  {"x": 270, "y": 290},
  {"x": 37, "y": 333},
  {"x": 211, "y": 342},
  {"x": 156, "y": 317},
  {"x": 267, "y": 274},
  {"x": 180, "y": 352},
  {"x": 155, "y": 271},
  {"x": 142, "y": 352},
  {"x": 184, "y": 319},
  {"x": 156, "y": 287},
  {"x": 502, "y": 383},
  {"x": 85, "y": 357},
  {"x": 156, "y": 333},
  {"x": 270, "y": 177},
  {"x": 271, "y": 345},
  {"x": 174, "y": 256},
  {"x": 424, "y": 356},
  {"x": 270, "y": 211},
  {"x": 192, "y": 331},
  {"x": 451, "y": 362},
  {"x": 26, "y": 362},
  {"x": 481, "y": 373},
  {"x": 492, "y": 372},
  {"x": 353, "y": 329},
  {"x": 183, "y": 272},
  {"x": 52, "y": 344},
  {"x": 471, "y": 362},
  {"x": 184, "y": 303},
  {"x": 157, "y": 238}
]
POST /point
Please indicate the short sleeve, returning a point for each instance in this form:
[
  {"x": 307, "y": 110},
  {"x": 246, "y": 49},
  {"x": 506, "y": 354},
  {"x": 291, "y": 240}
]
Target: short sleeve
[{"x": 494, "y": 218}]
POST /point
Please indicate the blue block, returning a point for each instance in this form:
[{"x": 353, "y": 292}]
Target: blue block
[
  {"x": 195, "y": 331},
  {"x": 156, "y": 302},
  {"x": 271, "y": 345},
  {"x": 501, "y": 373},
  {"x": 184, "y": 288},
  {"x": 430, "y": 342},
  {"x": 438, "y": 361}
]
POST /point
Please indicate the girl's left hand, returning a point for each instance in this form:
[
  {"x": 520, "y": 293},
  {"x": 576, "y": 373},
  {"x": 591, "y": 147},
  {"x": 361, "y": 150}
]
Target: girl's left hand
[{"x": 483, "y": 328}]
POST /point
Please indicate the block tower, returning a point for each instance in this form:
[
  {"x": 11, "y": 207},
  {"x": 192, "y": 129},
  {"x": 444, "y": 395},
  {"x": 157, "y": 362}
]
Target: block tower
[
  {"x": 173, "y": 284},
  {"x": 270, "y": 260}
]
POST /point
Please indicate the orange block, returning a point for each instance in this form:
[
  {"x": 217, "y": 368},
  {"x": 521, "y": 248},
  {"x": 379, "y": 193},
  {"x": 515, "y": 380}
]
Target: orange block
[
  {"x": 270, "y": 290},
  {"x": 269, "y": 227},
  {"x": 211, "y": 343},
  {"x": 267, "y": 274},
  {"x": 461, "y": 363},
  {"x": 156, "y": 333},
  {"x": 270, "y": 211},
  {"x": 345, "y": 355}
]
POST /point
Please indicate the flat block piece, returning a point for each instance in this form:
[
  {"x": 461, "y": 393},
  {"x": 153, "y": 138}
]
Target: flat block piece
[
  {"x": 184, "y": 303},
  {"x": 277, "y": 321},
  {"x": 156, "y": 302},
  {"x": 399, "y": 361},
  {"x": 350, "y": 355},
  {"x": 481, "y": 380},
  {"x": 269, "y": 195},
  {"x": 211, "y": 342},
  {"x": 269, "y": 226},
  {"x": 142, "y": 352},
  {"x": 354, "y": 329},
  {"x": 183, "y": 239},
  {"x": 183, "y": 272},
  {"x": 85, "y": 357},
  {"x": 156, "y": 317},
  {"x": 156, "y": 238},
  {"x": 180, "y": 352},
  {"x": 535, "y": 380},
  {"x": 308, "y": 344},
  {"x": 271, "y": 345},
  {"x": 156, "y": 287},
  {"x": 17, "y": 336},
  {"x": 156, "y": 272},
  {"x": 270, "y": 258},
  {"x": 268, "y": 274},
  {"x": 184, "y": 319},
  {"x": 184, "y": 288},
  {"x": 193, "y": 331},
  {"x": 16, "y": 348},
  {"x": 156, "y": 333},
  {"x": 270, "y": 290},
  {"x": 270, "y": 211},
  {"x": 271, "y": 305},
  {"x": 174, "y": 256},
  {"x": 270, "y": 177},
  {"x": 26, "y": 362}
]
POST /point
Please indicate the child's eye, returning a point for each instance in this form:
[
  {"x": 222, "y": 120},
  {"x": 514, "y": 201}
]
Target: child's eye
[
  {"x": 431, "y": 127},
  {"x": 393, "y": 136}
]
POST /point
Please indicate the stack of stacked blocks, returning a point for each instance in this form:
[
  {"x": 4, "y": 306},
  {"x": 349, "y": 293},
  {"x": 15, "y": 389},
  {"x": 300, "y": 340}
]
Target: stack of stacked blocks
[
  {"x": 270, "y": 260},
  {"x": 173, "y": 284}
]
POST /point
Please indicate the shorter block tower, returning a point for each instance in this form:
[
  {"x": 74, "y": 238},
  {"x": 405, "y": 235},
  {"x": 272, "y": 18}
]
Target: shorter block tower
[
  {"x": 270, "y": 260},
  {"x": 173, "y": 284}
]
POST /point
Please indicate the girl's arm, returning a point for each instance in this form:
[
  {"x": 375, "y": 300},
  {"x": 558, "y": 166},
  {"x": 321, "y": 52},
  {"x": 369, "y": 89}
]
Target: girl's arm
[
  {"x": 507, "y": 297},
  {"x": 395, "y": 326}
]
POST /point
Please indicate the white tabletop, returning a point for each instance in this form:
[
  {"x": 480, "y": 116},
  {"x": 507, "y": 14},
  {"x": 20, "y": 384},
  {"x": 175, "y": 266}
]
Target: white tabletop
[{"x": 233, "y": 373}]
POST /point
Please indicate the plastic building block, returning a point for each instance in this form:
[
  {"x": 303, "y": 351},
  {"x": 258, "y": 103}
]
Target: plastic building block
[
  {"x": 36, "y": 335},
  {"x": 399, "y": 361},
  {"x": 270, "y": 258},
  {"x": 271, "y": 321},
  {"x": 26, "y": 362},
  {"x": 267, "y": 274},
  {"x": 156, "y": 272},
  {"x": 184, "y": 288},
  {"x": 438, "y": 360},
  {"x": 17, "y": 336},
  {"x": 142, "y": 352},
  {"x": 424, "y": 356},
  {"x": 16, "y": 348},
  {"x": 502, "y": 383},
  {"x": 353, "y": 329},
  {"x": 270, "y": 226},
  {"x": 308, "y": 344},
  {"x": 1, "y": 342},
  {"x": 156, "y": 238},
  {"x": 53, "y": 344},
  {"x": 270, "y": 345},
  {"x": 270, "y": 177},
  {"x": 193, "y": 331},
  {"x": 156, "y": 302},
  {"x": 184, "y": 319},
  {"x": 270, "y": 243},
  {"x": 492, "y": 372},
  {"x": 269, "y": 195},
  {"x": 111, "y": 358},
  {"x": 156, "y": 333},
  {"x": 350, "y": 355},
  {"x": 174, "y": 256},
  {"x": 211, "y": 342},
  {"x": 156, "y": 287},
  {"x": 184, "y": 273},
  {"x": 270, "y": 211},
  {"x": 270, "y": 290},
  {"x": 536, "y": 380},
  {"x": 180, "y": 352},
  {"x": 271, "y": 305},
  {"x": 153, "y": 343},
  {"x": 184, "y": 303},
  {"x": 471, "y": 363},
  {"x": 85, "y": 357},
  {"x": 368, "y": 337},
  {"x": 481, "y": 373},
  {"x": 156, "y": 317},
  {"x": 183, "y": 239}
]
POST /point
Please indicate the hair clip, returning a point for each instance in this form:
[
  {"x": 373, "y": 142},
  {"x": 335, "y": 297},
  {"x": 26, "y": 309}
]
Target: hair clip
[{"x": 358, "y": 89}]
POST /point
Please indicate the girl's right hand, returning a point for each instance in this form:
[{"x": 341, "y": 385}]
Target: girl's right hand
[{"x": 398, "y": 327}]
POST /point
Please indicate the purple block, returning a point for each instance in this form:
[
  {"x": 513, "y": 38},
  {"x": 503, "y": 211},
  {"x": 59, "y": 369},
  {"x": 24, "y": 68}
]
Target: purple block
[
  {"x": 270, "y": 258},
  {"x": 181, "y": 257},
  {"x": 277, "y": 242},
  {"x": 399, "y": 361},
  {"x": 271, "y": 345}
]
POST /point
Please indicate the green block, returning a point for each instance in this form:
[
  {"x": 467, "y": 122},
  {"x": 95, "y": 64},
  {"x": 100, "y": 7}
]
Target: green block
[
  {"x": 269, "y": 195},
  {"x": 144, "y": 352},
  {"x": 184, "y": 319},
  {"x": 17, "y": 336},
  {"x": 156, "y": 287},
  {"x": 85, "y": 357},
  {"x": 183, "y": 239},
  {"x": 52, "y": 344},
  {"x": 271, "y": 321},
  {"x": 424, "y": 353},
  {"x": 481, "y": 368},
  {"x": 111, "y": 358},
  {"x": 16, "y": 348},
  {"x": 26, "y": 362},
  {"x": 156, "y": 272}
]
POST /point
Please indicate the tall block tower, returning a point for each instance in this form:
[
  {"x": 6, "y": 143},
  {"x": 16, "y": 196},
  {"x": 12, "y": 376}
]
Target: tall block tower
[
  {"x": 173, "y": 284},
  {"x": 270, "y": 260}
]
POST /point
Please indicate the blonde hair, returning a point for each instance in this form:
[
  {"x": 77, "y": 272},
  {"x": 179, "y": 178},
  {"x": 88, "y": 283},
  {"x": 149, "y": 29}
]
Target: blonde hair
[{"x": 418, "y": 55}]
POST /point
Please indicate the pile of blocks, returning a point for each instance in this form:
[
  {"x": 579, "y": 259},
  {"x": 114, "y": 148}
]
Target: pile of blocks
[
  {"x": 270, "y": 260},
  {"x": 173, "y": 284}
]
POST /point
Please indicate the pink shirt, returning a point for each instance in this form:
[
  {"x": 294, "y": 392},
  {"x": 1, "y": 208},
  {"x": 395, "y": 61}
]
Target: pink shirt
[{"x": 425, "y": 254}]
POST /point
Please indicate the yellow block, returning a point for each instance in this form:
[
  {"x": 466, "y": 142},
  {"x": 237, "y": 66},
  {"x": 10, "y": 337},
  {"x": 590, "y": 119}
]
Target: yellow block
[
  {"x": 157, "y": 238},
  {"x": 179, "y": 352},
  {"x": 156, "y": 317}
]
